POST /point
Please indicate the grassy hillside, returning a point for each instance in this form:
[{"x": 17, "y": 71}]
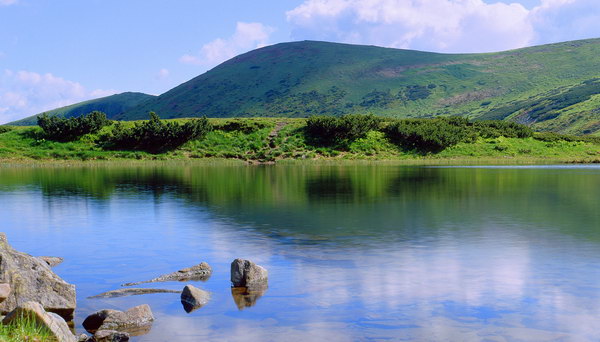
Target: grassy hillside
[
  {"x": 303, "y": 78},
  {"x": 110, "y": 105},
  {"x": 259, "y": 140}
]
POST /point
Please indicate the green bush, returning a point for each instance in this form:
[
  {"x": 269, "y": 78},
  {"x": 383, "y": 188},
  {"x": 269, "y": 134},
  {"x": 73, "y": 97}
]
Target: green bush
[
  {"x": 241, "y": 125},
  {"x": 156, "y": 135},
  {"x": 507, "y": 129},
  {"x": 429, "y": 135},
  {"x": 61, "y": 129},
  {"x": 5, "y": 129},
  {"x": 328, "y": 130}
]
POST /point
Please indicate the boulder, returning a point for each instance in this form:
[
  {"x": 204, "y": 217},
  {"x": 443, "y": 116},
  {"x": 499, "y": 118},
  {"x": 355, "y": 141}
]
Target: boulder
[
  {"x": 201, "y": 271},
  {"x": 110, "y": 336},
  {"x": 31, "y": 279},
  {"x": 4, "y": 291},
  {"x": 131, "y": 292},
  {"x": 51, "y": 261},
  {"x": 193, "y": 298},
  {"x": 53, "y": 322},
  {"x": 245, "y": 273},
  {"x": 135, "y": 321}
]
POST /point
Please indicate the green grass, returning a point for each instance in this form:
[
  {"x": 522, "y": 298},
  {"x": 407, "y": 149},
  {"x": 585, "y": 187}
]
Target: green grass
[
  {"x": 25, "y": 329},
  {"x": 27, "y": 145}
]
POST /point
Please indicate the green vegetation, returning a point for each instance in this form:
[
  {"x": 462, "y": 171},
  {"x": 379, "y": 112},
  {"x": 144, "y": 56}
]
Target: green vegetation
[
  {"x": 352, "y": 137},
  {"x": 59, "y": 129},
  {"x": 155, "y": 135},
  {"x": 25, "y": 329}
]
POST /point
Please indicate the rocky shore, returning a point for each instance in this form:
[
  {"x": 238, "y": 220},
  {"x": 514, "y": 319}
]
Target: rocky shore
[{"x": 29, "y": 288}]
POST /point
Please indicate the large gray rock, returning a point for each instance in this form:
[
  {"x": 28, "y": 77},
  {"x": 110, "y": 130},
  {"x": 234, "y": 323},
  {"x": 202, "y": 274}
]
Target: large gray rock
[
  {"x": 135, "y": 321},
  {"x": 110, "y": 336},
  {"x": 245, "y": 273},
  {"x": 201, "y": 271},
  {"x": 31, "y": 279},
  {"x": 53, "y": 322},
  {"x": 193, "y": 298}
]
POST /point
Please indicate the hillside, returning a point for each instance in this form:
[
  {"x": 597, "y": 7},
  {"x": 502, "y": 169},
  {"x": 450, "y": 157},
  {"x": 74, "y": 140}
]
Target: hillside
[
  {"x": 551, "y": 87},
  {"x": 110, "y": 105}
]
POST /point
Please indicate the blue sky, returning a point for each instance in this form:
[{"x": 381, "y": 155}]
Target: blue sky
[{"x": 54, "y": 53}]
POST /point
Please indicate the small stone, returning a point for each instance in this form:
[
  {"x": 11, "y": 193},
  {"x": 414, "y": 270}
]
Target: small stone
[
  {"x": 193, "y": 298},
  {"x": 110, "y": 336},
  {"x": 245, "y": 273},
  {"x": 202, "y": 272},
  {"x": 84, "y": 338}
]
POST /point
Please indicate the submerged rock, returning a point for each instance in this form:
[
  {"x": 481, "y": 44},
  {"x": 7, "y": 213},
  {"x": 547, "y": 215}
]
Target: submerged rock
[
  {"x": 54, "y": 323},
  {"x": 135, "y": 321},
  {"x": 193, "y": 298},
  {"x": 110, "y": 336},
  {"x": 201, "y": 271},
  {"x": 245, "y": 297},
  {"x": 31, "y": 279},
  {"x": 245, "y": 273},
  {"x": 131, "y": 292},
  {"x": 51, "y": 261}
]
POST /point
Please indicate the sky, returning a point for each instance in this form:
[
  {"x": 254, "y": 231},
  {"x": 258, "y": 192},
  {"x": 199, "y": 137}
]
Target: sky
[{"x": 56, "y": 53}]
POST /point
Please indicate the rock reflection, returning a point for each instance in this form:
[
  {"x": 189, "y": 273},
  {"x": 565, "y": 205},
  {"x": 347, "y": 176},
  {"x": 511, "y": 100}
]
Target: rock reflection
[{"x": 245, "y": 297}]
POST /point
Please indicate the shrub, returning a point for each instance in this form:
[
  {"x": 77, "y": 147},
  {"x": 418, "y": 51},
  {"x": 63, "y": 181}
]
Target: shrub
[
  {"x": 507, "y": 129},
  {"x": 156, "y": 135},
  {"x": 61, "y": 129},
  {"x": 329, "y": 130},
  {"x": 5, "y": 129},
  {"x": 244, "y": 126},
  {"x": 429, "y": 135}
]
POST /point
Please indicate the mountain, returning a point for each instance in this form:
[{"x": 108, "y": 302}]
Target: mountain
[
  {"x": 553, "y": 87},
  {"x": 111, "y": 105}
]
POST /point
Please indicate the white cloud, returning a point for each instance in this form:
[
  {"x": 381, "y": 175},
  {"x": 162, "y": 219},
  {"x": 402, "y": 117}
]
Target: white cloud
[
  {"x": 24, "y": 93},
  {"x": 7, "y": 2},
  {"x": 247, "y": 36},
  {"x": 162, "y": 74},
  {"x": 444, "y": 25}
]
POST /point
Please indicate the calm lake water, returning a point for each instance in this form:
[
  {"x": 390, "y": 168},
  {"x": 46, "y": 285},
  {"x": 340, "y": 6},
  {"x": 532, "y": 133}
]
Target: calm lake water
[{"x": 357, "y": 252}]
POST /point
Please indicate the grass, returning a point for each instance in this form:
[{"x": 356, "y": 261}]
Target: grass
[
  {"x": 25, "y": 329},
  {"x": 260, "y": 145}
]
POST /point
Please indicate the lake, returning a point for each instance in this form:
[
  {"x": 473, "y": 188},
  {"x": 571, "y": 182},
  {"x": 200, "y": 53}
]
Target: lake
[{"x": 354, "y": 252}]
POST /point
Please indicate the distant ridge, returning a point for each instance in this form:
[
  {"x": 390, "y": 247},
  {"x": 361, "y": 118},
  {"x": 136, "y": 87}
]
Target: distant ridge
[{"x": 111, "y": 105}]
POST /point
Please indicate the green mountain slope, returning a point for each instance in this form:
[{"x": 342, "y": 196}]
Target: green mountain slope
[
  {"x": 111, "y": 105},
  {"x": 551, "y": 87}
]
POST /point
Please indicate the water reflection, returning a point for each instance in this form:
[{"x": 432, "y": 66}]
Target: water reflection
[
  {"x": 245, "y": 297},
  {"x": 353, "y": 252}
]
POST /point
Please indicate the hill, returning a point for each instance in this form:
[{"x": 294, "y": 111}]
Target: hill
[
  {"x": 111, "y": 105},
  {"x": 550, "y": 87}
]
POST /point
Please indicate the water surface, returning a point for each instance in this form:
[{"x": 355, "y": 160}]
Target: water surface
[{"x": 355, "y": 252}]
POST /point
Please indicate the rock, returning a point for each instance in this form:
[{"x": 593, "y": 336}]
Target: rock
[
  {"x": 131, "y": 292},
  {"x": 193, "y": 298},
  {"x": 245, "y": 297},
  {"x": 53, "y": 322},
  {"x": 84, "y": 338},
  {"x": 245, "y": 273},
  {"x": 201, "y": 271},
  {"x": 31, "y": 279},
  {"x": 4, "y": 291},
  {"x": 110, "y": 336},
  {"x": 135, "y": 321},
  {"x": 51, "y": 261}
]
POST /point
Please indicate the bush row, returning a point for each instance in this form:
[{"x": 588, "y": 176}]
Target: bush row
[{"x": 61, "y": 129}]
